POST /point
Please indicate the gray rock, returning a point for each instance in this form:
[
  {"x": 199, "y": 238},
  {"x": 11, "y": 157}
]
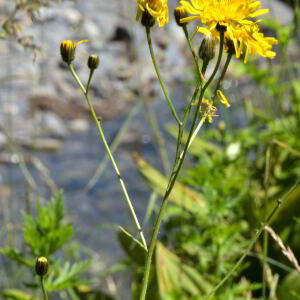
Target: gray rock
[
  {"x": 50, "y": 124},
  {"x": 3, "y": 140}
]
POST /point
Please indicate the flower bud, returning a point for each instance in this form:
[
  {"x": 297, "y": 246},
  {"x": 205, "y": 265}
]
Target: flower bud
[
  {"x": 180, "y": 13},
  {"x": 41, "y": 266},
  {"x": 147, "y": 19},
  {"x": 230, "y": 46},
  {"x": 207, "y": 49},
  {"x": 93, "y": 62},
  {"x": 67, "y": 51}
]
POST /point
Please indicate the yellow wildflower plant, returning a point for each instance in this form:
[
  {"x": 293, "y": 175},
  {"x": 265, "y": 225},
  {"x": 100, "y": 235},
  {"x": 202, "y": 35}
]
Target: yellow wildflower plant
[
  {"x": 158, "y": 9},
  {"x": 234, "y": 15}
]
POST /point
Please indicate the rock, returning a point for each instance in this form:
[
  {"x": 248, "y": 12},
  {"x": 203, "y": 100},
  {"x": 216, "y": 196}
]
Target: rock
[
  {"x": 78, "y": 125},
  {"x": 42, "y": 144},
  {"x": 3, "y": 140},
  {"x": 72, "y": 16},
  {"x": 51, "y": 124},
  {"x": 282, "y": 13}
]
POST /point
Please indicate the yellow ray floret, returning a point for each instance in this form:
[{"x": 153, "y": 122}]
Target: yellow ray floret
[
  {"x": 158, "y": 9},
  {"x": 223, "y": 12},
  {"x": 234, "y": 14}
]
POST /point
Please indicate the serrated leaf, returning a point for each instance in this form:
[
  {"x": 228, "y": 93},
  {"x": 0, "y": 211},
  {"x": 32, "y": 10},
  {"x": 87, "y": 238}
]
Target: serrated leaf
[
  {"x": 46, "y": 234},
  {"x": 69, "y": 276}
]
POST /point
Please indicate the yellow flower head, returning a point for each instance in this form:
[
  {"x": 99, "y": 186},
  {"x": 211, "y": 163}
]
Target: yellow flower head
[
  {"x": 158, "y": 9},
  {"x": 68, "y": 50},
  {"x": 234, "y": 14},
  {"x": 223, "y": 12}
]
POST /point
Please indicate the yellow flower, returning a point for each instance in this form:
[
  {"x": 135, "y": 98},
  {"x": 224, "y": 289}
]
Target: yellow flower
[
  {"x": 223, "y": 12},
  {"x": 158, "y": 9},
  {"x": 68, "y": 50},
  {"x": 234, "y": 14},
  {"x": 249, "y": 41},
  {"x": 223, "y": 99}
]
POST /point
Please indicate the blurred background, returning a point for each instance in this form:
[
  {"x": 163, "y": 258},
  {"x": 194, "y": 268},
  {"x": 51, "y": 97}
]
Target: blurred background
[{"x": 47, "y": 139}]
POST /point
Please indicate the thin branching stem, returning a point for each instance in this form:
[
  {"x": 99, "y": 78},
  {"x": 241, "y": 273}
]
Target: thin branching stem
[
  {"x": 266, "y": 200},
  {"x": 173, "y": 178},
  {"x": 102, "y": 136},
  {"x": 186, "y": 33},
  {"x": 170, "y": 103},
  {"x": 228, "y": 60}
]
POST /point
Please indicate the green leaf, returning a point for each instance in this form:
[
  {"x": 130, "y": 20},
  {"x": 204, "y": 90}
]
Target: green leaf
[
  {"x": 14, "y": 294},
  {"x": 173, "y": 274},
  {"x": 289, "y": 289},
  {"x": 180, "y": 195},
  {"x": 198, "y": 144},
  {"x": 46, "y": 234},
  {"x": 132, "y": 247},
  {"x": 67, "y": 277},
  {"x": 17, "y": 256}
]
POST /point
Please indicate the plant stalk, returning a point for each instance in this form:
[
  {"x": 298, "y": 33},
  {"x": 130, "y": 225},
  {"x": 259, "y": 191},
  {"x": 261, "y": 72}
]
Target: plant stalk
[
  {"x": 173, "y": 178},
  {"x": 102, "y": 136}
]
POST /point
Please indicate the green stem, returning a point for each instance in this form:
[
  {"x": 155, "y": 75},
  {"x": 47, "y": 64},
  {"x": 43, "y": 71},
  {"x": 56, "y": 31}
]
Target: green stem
[
  {"x": 265, "y": 249},
  {"x": 159, "y": 76},
  {"x": 186, "y": 33},
  {"x": 254, "y": 240},
  {"x": 185, "y": 120},
  {"x": 102, "y": 136},
  {"x": 229, "y": 56},
  {"x": 172, "y": 180},
  {"x": 43, "y": 288},
  {"x": 159, "y": 139},
  {"x": 113, "y": 147}
]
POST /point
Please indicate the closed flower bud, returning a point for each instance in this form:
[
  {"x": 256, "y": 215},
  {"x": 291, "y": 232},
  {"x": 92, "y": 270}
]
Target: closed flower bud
[
  {"x": 147, "y": 19},
  {"x": 180, "y": 13},
  {"x": 93, "y": 62},
  {"x": 41, "y": 266},
  {"x": 207, "y": 49},
  {"x": 67, "y": 51},
  {"x": 230, "y": 46}
]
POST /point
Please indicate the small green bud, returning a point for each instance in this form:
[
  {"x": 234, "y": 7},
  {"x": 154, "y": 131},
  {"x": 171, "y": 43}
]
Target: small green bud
[
  {"x": 180, "y": 13},
  {"x": 207, "y": 49},
  {"x": 41, "y": 266},
  {"x": 67, "y": 51},
  {"x": 147, "y": 19},
  {"x": 93, "y": 62}
]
